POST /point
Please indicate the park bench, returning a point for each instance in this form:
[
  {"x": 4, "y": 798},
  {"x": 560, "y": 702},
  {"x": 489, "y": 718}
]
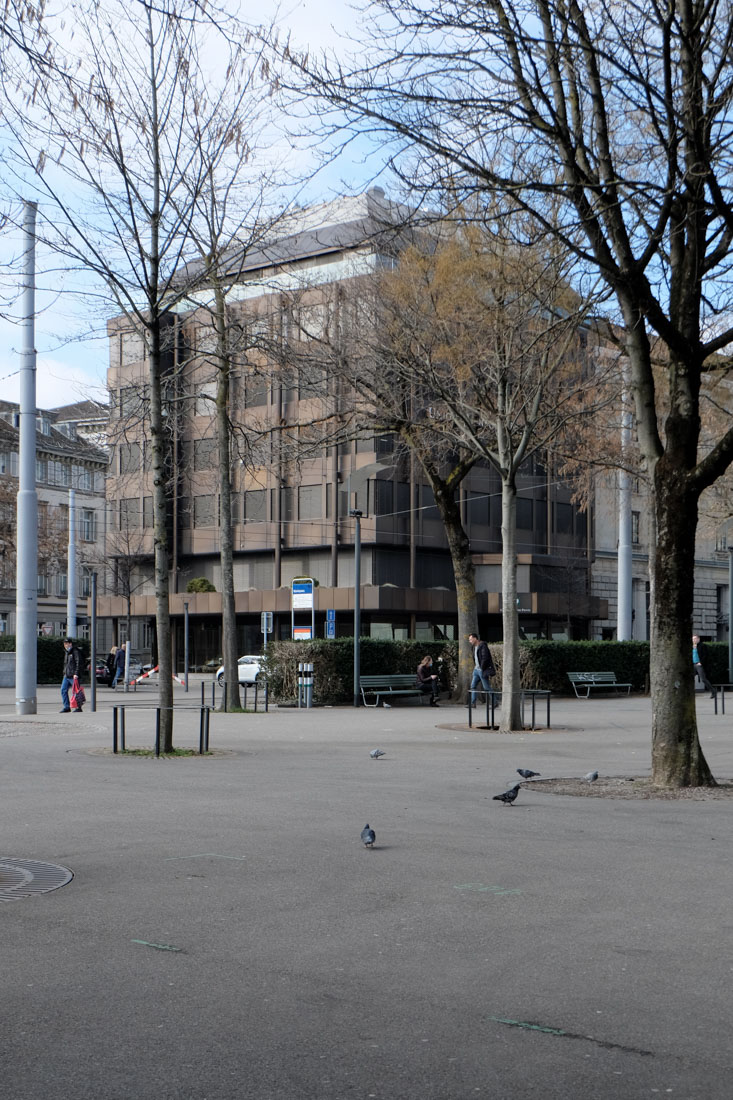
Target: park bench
[
  {"x": 583, "y": 682},
  {"x": 387, "y": 686}
]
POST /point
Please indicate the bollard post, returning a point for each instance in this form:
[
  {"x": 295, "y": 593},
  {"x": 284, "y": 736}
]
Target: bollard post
[
  {"x": 114, "y": 729},
  {"x": 203, "y": 689},
  {"x": 206, "y": 730},
  {"x": 122, "y": 730},
  {"x": 201, "y": 731},
  {"x": 267, "y": 697},
  {"x": 157, "y": 731},
  {"x": 470, "y": 724}
]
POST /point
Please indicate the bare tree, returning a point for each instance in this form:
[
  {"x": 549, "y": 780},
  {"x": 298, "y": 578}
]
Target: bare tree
[
  {"x": 609, "y": 125},
  {"x": 109, "y": 145}
]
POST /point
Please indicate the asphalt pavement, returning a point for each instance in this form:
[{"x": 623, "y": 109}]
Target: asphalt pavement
[{"x": 227, "y": 935}]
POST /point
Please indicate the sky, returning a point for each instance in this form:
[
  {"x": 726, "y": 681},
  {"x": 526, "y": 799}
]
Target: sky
[{"x": 70, "y": 339}]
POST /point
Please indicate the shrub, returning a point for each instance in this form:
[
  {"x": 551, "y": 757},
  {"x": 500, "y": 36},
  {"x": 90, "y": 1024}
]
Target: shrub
[{"x": 200, "y": 584}]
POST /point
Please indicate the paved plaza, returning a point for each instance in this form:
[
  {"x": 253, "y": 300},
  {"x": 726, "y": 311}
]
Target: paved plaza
[{"x": 226, "y": 934}]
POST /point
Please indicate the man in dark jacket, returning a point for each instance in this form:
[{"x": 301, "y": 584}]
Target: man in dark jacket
[
  {"x": 483, "y": 666},
  {"x": 72, "y": 668}
]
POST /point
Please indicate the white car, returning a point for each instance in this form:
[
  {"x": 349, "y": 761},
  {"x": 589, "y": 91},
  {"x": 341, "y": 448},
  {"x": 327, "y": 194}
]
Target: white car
[{"x": 247, "y": 667}]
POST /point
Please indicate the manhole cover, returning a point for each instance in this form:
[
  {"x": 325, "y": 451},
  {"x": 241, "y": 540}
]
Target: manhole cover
[{"x": 23, "y": 878}]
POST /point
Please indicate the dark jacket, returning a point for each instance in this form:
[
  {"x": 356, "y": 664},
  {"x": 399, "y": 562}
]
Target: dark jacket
[
  {"x": 702, "y": 653},
  {"x": 72, "y": 663},
  {"x": 120, "y": 659},
  {"x": 484, "y": 659},
  {"x": 425, "y": 675}
]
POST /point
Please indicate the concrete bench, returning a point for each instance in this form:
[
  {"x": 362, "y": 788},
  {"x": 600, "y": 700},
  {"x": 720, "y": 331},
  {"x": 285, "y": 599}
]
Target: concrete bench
[
  {"x": 387, "y": 687},
  {"x": 584, "y": 682}
]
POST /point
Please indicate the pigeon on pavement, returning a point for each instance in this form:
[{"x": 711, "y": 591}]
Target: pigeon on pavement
[
  {"x": 368, "y": 836},
  {"x": 526, "y": 773},
  {"x": 376, "y": 753},
  {"x": 508, "y": 796},
  {"x": 591, "y": 777}
]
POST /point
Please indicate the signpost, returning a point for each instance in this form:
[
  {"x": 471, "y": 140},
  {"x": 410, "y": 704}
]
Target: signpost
[
  {"x": 330, "y": 624},
  {"x": 301, "y": 599},
  {"x": 266, "y": 625}
]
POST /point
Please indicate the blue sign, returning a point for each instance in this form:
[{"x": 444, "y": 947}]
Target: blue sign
[
  {"x": 331, "y": 629},
  {"x": 331, "y": 616}
]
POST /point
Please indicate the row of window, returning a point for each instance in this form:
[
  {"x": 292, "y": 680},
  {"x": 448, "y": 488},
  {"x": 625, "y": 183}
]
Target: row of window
[
  {"x": 49, "y": 471},
  {"x": 56, "y": 584}
]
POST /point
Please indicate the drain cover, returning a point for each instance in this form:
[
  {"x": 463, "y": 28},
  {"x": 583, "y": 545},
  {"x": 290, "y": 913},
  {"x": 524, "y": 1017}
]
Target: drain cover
[{"x": 23, "y": 878}]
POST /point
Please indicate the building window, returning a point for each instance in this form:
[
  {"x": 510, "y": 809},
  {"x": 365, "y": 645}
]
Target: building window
[
  {"x": 129, "y": 513},
  {"x": 309, "y": 502},
  {"x": 129, "y": 458},
  {"x": 635, "y": 518},
  {"x": 525, "y": 513},
  {"x": 383, "y": 498},
  {"x": 41, "y": 470},
  {"x": 86, "y": 583},
  {"x": 204, "y": 454},
  {"x": 62, "y": 584},
  {"x": 563, "y": 519},
  {"x": 88, "y": 525},
  {"x": 255, "y": 391},
  {"x": 255, "y": 506},
  {"x": 204, "y": 511},
  {"x": 205, "y": 400},
  {"x": 147, "y": 511},
  {"x": 42, "y": 584}
]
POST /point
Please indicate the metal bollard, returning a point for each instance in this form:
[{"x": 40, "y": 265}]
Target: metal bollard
[
  {"x": 305, "y": 683},
  {"x": 114, "y": 729},
  {"x": 157, "y": 731}
]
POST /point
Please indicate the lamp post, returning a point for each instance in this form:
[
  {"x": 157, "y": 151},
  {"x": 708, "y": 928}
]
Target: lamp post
[
  {"x": 185, "y": 645},
  {"x": 357, "y": 600}
]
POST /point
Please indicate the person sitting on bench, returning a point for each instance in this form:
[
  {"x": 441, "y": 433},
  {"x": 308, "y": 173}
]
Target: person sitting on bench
[{"x": 428, "y": 681}]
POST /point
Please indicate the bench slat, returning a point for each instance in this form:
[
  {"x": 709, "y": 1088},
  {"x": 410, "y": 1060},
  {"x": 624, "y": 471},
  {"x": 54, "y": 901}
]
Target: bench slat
[{"x": 602, "y": 680}]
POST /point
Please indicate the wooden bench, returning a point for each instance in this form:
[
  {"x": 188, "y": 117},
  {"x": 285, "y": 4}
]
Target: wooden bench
[
  {"x": 583, "y": 682},
  {"x": 388, "y": 686}
]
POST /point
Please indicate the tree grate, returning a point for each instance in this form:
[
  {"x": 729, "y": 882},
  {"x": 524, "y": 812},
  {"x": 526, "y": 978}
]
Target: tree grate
[{"x": 24, "y": 878}]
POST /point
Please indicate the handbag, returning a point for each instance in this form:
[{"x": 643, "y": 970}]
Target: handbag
[{"x": 77, "y": 697}]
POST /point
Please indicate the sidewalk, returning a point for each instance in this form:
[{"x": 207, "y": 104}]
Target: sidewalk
[{"x": 226, "y": 934}]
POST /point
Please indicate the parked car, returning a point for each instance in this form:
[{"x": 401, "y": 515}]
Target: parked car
[
  {"x": 249, "y": 669},
  {"x": 102, "y": 672}
]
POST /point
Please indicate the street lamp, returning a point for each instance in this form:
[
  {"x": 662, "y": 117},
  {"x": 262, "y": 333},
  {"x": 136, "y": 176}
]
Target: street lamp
[{"x": 357, "y": 599}]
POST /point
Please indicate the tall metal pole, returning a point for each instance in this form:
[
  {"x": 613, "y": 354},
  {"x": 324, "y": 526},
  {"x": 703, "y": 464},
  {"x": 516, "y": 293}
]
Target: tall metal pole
[
  {"x": 26, "y": 593},
  {"x": 93, "y": 667},
  {"x": 71, "y": 569},
  {"x": 185, "y": 645},
  {"x": 357, "y": 602}
]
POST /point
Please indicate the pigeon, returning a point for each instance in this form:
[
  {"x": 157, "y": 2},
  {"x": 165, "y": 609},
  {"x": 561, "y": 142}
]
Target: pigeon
[
  {"x": 591, "y": 777},
  {"x": 508, "y": 796},
  {"x": 368, "y": 836},
  {"x": 387, "y": 706},
  {"x": 376, "y": 753},
  {"x": 526, "y": 773}
]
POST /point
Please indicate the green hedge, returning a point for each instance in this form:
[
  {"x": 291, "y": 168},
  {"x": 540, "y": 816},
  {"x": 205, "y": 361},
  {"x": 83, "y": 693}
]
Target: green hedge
[
  {"x": 49, "y": 655},
  {"x": 333, "y": 664},
  {"x": 542, "y": 664}
]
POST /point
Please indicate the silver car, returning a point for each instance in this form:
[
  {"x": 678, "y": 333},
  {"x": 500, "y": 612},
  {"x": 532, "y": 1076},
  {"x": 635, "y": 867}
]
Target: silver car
[{"x": 248, "y": 669}]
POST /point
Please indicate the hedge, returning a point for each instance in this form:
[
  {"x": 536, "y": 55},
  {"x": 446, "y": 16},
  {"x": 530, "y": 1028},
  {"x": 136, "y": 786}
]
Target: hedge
[
  {"x": 543, "y": 664},
  {"x": 49, "y": 655}
]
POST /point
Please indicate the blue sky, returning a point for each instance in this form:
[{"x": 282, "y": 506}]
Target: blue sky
[{"x": 71, "y": 344}]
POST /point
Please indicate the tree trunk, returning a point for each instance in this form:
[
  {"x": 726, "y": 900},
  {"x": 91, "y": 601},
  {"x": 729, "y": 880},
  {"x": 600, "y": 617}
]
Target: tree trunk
[
  {"x": 511, "y": 718},
  {"x": 677, "y": 758},
  {"x": 158, "y": 443},
  {"x": 465, "y": 578},
  {"x": 226, "y": 549}
]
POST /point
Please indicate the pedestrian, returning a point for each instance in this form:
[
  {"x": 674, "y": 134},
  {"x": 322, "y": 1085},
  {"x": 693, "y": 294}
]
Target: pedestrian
[
  {"x": 72, "y": 668},
  {"x": 110, "y": 663},
  {"x": 119, "y": 666},
  {"x": 699, "y": 658},
  {"x": 428, "y": 681},
  {"x": 483, "y": 667}
]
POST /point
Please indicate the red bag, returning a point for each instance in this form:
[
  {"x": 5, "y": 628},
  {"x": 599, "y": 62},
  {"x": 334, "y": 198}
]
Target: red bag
[{"x": 77, "y": 697}]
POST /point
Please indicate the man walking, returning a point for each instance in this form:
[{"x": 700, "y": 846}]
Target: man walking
[
  {"x": 72, "y": 668},
  {"x": 698, "y": 661},
  {"x": 483, "y": 667}
]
